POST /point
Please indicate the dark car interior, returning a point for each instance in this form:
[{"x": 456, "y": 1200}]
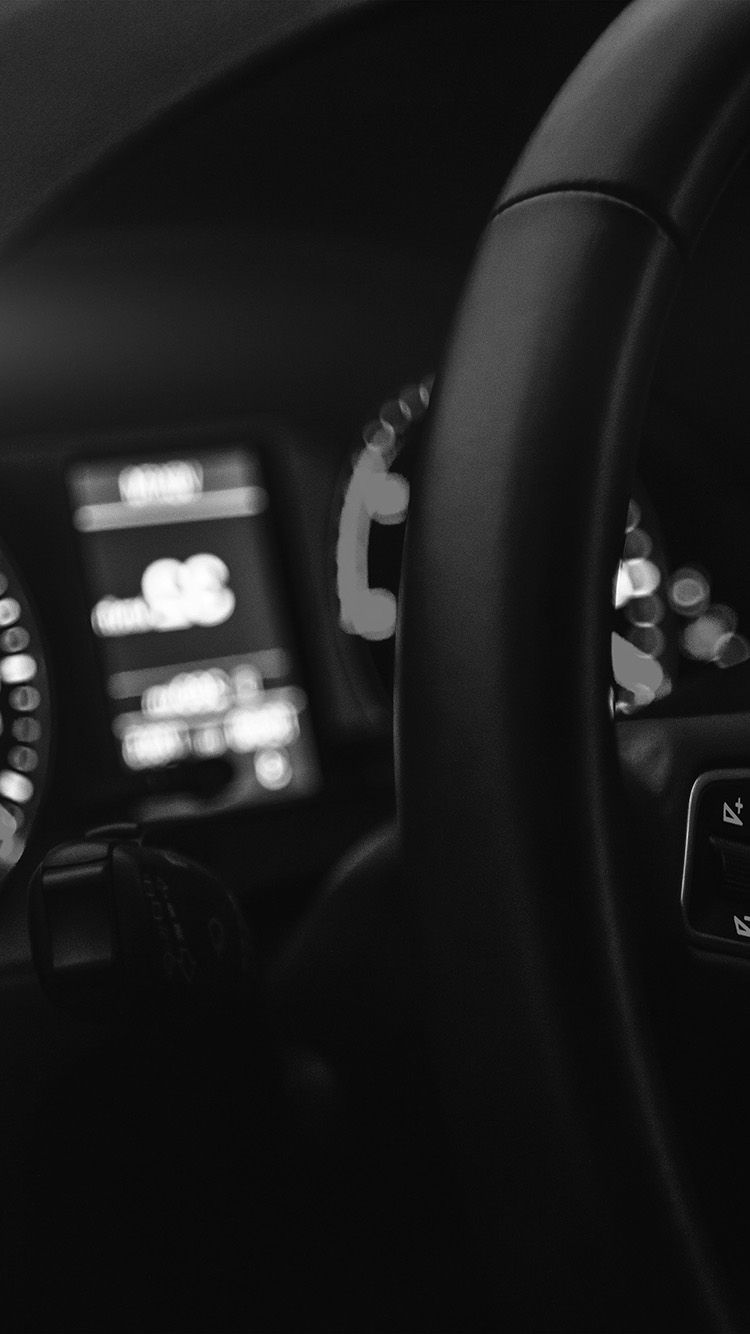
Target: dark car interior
[{"x": 374, "y": 666}]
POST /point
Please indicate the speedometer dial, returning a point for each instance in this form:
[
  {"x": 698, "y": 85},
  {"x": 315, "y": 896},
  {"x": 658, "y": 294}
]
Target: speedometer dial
[{"x": 24, "y": 716}]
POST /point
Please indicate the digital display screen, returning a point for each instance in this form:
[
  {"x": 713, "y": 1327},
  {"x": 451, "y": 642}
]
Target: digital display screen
[{"x": 186, "y": 607}]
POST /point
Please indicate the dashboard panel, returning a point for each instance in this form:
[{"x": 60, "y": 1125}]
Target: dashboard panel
[
  {"x": 211, "y": 349},
  {"x": 245, "y": 698},
  {"x": 248, "y": 287},
  {"x": 187, "y": 607}
]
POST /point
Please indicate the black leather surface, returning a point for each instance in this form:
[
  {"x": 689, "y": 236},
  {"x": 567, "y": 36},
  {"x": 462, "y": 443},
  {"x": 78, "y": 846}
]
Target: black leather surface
[
  {"x": 658, "y": 112},
  {"x": 508, "y": 772},
  {"x": 511, "y": 804}
]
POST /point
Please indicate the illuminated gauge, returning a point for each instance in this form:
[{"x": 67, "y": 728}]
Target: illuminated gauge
[
  {"x": 369, "y": 549},
  {"x": 709, "y": 631},
  {"x": 644, "y": 654},
  {"x": 24, "y": 716}
]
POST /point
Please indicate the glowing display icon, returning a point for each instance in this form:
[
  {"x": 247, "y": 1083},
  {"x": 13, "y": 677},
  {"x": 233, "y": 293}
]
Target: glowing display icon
[
  {"x": 174, "y": 482},
  {"x": 730, "y": 816},
  {"x": 176, "y": 595},
  {"x": 191, "y": 592},
  {"x": 273, "y": 769}
]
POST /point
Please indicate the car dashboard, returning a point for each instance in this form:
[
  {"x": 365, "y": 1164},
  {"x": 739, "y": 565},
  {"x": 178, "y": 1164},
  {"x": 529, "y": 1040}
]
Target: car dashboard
[
  {"x": 219, "y": 356},
  {"x": 232, "y": 300},
  {"x": 244, "y": 292},
  {"x": 245, "y": 296}
]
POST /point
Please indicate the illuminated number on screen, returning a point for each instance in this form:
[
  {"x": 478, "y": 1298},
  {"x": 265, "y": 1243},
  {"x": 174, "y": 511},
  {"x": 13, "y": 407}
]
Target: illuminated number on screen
[
  {"x": 184, "y": 593},
  {"x": 208, "y": 599},
  {"x": 161, "y": 586}
]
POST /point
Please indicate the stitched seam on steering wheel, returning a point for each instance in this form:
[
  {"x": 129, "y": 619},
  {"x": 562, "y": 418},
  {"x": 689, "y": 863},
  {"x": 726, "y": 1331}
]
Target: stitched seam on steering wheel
[{"x": 600, "y": 190}]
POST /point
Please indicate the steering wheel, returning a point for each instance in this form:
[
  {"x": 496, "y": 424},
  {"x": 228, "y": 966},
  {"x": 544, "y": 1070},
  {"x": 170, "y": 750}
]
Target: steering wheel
[
  {"x": 527, "y": 887},
  {"x": 528, "y": 891}
]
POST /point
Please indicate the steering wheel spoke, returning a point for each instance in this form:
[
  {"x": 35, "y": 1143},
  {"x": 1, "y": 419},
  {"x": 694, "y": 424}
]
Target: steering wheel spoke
[{"x": 688, "y": 784}]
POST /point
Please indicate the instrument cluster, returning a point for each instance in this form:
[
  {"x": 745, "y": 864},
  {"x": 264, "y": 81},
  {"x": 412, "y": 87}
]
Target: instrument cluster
[
  {"x": 25, "y": 714},
  {"x": 666, "y": 622},
  {"x": 204, "y": 637}
]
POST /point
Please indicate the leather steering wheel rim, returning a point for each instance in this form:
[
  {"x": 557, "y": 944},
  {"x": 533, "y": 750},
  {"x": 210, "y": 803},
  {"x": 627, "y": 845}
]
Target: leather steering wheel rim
[{"x": 510, "y": 796}]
